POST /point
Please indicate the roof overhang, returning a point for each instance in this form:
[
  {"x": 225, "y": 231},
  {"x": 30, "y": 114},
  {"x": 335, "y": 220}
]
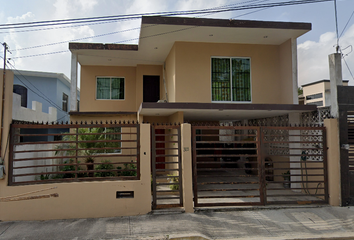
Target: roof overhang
[
  {"x": 158, "y": 34},
  {"x": 220, "y": 111}
]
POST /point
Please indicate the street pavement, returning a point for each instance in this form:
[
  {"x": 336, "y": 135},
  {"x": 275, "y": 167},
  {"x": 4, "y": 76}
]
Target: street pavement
[{"x": 269, "y": 223}]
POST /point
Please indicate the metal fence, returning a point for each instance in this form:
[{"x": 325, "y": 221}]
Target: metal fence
[
  {"x": 167, "y": 191},
  {"x": 46, "y": 153},
  {"x": 258, "y": 165}
]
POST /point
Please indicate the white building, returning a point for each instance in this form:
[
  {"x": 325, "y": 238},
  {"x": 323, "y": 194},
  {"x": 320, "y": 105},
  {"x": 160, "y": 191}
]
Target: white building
[{"x": 317, "y": 93}]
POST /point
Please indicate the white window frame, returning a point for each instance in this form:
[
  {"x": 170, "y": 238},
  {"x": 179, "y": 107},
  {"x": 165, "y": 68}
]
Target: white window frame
[
  {"x": 110, "y": 93},
  {"x": 211, "y": 80}
]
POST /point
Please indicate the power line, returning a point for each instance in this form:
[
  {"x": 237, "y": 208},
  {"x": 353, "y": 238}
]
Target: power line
[
  {"x": 78, "y": 39},
  {"x": 132, "y": 39},
  {"x": 346, "y": 25},
  {"x": 138, "y": 15},
  {"x": 40, "y": 54},
  {"x": 67, "y": 26}
]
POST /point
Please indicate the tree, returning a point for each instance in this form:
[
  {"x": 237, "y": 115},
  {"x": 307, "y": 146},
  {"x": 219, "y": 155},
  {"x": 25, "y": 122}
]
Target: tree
[{"x": 299, "y": 91}]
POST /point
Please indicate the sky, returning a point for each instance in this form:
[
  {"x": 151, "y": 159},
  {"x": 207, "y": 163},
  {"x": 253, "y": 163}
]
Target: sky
[{"x": 29, "y": 46}]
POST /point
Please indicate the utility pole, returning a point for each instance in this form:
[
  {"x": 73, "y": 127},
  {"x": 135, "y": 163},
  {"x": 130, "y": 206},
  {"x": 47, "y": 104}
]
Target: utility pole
[{"x": 3, "y": 101}]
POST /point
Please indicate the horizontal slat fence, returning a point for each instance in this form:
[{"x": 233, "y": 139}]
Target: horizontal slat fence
[
  {"x": 167, "y": 190},
  {"x": 46, "y": 153},
  {"x": 299, "y": 164},
  {"x": 259, "y": 165}
]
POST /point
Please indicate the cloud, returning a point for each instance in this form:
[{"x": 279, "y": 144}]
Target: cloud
[
  {"x": 313, "y": 57},
  {"x": 51, "y": 62},
  {"x": 143, "y": 6},
  {"x": 70, "y": 8}
]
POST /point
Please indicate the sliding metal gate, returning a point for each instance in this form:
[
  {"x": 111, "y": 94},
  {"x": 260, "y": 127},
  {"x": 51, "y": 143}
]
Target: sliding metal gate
[
  {"x": 252, "y": 165},
  {"x": 166, "y": 166}
]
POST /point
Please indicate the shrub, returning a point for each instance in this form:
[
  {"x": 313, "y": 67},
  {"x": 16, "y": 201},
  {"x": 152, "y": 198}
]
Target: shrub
[
  {"x": 105, "y": 166},
  {"x": 173, "y": 179},
  {"x": 128, "y": 172},
  {"x": 69, "y": 168}
]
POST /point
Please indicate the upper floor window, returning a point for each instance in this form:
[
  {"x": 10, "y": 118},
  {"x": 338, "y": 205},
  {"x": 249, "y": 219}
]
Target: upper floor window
[
  {"x": 230, "y": 79},
  {"x": 65, "y": 102},
  {"x": 314, "y": 96},
  {"x": 317, "y": 103},
  {"x": 110, "y": 88},
  {"x": 21, "y": 90}
]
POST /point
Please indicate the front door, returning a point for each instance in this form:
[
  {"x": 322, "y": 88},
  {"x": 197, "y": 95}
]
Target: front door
[{"x": 151, "y": 88}]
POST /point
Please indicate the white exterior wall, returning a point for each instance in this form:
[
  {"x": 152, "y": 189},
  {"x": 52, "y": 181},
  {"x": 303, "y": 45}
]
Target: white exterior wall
[
  {"x": 34, "y": 114},
  {"x": 320, "y": 87},
  {"x": 314, "y": 89},
  {"x": 34, "y": 163}
]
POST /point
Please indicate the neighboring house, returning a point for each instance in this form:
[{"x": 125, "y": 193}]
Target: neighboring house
[
  {"x": 318, "y": 93},
  {"x": 200, "y": 69},
  {"x": 42, "y": 91},
  {"x": 50, "y": 89}
]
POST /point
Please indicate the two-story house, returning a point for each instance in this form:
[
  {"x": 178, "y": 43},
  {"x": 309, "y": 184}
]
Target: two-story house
[{"x": 191, "y": 69}]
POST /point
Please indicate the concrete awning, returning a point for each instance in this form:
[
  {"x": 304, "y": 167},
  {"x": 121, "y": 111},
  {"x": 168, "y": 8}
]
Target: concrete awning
[{"x": 221, "y": 111}]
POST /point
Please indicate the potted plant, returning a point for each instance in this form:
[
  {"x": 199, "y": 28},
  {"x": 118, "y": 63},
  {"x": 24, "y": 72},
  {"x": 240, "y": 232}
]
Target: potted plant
[{"x": 286, "y": 176}]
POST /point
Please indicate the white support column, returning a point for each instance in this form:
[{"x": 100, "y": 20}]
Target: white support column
[
  {"x": 294, "y": 118},
  {"x": 335, "y": 76},
  {"x": 294, "y": 70},
  {"x": 73, "y": 87}
]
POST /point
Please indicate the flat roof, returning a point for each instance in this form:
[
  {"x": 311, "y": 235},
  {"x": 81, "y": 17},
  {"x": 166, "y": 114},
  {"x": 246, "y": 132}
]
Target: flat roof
[
  {"x": 320, "y": 81},
  {"x": 158, "y": 35},
  {"x": 231, "y": 23}
]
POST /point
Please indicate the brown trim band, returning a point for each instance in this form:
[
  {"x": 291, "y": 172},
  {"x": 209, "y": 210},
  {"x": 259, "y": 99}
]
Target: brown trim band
[
  {"x": 228, "y": 106},
  {"x": 101, "y": 46},
  {"x": 208, "y": 22},
  {"x": 100, "y": 113}
]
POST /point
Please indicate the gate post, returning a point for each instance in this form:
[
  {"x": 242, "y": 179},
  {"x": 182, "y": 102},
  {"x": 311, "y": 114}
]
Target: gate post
[
  {"x": 145, "y": 161},
  {"x": 187, "y": 167},
  {"x": 333, "y": 161}
]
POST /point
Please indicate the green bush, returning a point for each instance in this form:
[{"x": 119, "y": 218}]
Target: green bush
[
  {"x": 128, "y": 172},
  {"x": 105, "y": 167},
  {"x": 173, "y": 179},
  {"x": 70, "y": 168}
]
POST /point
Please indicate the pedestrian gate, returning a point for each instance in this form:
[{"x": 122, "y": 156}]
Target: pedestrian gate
[{"x": 166, "y": 166}]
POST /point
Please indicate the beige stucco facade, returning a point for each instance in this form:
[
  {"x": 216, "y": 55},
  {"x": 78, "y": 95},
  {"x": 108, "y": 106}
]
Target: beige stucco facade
[
  {"x": 188, "y": 70},
  {"x": 188, "y": 76}
]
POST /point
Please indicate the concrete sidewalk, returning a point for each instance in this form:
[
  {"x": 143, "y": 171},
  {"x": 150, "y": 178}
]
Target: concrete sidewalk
[{"x": 282, "y": 223}]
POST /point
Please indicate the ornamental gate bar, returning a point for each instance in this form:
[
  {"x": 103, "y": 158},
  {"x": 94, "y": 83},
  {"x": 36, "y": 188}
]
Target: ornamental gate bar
[
  {"x": 166, "y": 166},
  {"x": 253, "y": 165}
]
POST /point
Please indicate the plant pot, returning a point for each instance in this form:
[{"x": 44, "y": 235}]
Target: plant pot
[{"x": 286, "y": 183}]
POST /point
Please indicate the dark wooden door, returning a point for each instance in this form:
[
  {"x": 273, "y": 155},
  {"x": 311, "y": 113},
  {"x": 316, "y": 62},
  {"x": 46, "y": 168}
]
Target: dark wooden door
[{"x": 151, "y": 88}]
